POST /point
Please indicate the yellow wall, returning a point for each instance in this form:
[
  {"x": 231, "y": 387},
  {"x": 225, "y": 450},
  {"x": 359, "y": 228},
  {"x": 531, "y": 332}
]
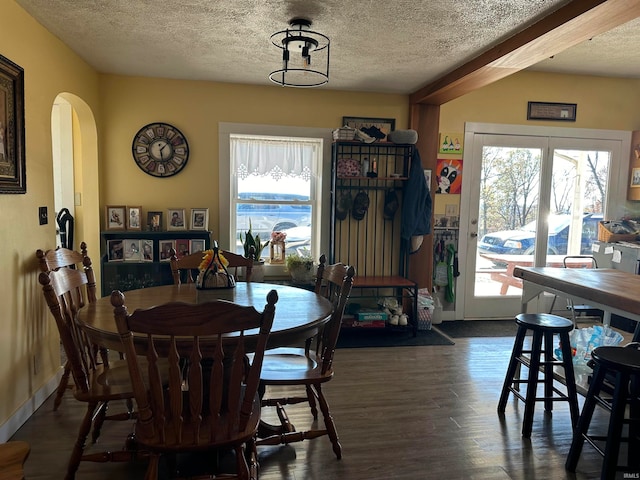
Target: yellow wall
[
  {"x": 26, "y": 326},
  {"x": 196, "y": 108},
  {"x": 121, "y": 105}
]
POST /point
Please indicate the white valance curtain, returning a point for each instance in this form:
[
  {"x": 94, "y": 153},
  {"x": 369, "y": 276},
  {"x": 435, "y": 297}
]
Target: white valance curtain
[{"x": 272, "y": 156}]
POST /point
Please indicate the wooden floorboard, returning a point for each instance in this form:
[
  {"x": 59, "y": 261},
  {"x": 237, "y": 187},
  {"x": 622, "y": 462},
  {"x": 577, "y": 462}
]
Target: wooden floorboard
[{"x": 402, "y": 413}]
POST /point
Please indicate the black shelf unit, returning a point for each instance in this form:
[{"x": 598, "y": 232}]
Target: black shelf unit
[
  {"x": 127, "y": 275},
  {"x": 372, "y": 245}
]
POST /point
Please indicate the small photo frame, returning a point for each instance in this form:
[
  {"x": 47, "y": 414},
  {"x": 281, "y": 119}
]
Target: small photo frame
[
  {"x": 116, "y": 219},
  {"x": 175, "y": 219},
  {"x": 165, "y": 247},
  {"x": 154, "y": 221},
  {"x": 635, "y": 178},
  {"x": 134, "y": 218},
  {"x": 147, "y": 250},
  {"x": 199, "y": 219},
  {"x": 115, "y": 250},
  {"x": 377, "y": 128},
  {"x": 197, "y": 245},
  {"x": 132, "y": 251},
  {"x": 182, "y": 247}
]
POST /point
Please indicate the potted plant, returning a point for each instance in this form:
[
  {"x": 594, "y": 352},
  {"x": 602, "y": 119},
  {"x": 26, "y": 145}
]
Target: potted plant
[
  {"x": 253, "y": 248},
  {"x": 300, "y": 267}
]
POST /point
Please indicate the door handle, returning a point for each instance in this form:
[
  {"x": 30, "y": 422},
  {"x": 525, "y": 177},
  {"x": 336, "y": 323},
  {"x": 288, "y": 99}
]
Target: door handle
[{"x": 473, "y": 234}]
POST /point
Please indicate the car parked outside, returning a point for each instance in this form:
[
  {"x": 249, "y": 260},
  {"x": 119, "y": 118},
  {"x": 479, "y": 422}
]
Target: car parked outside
[
  {"x": 264, "y": 218},
  {"x": 522, "y": 241}
]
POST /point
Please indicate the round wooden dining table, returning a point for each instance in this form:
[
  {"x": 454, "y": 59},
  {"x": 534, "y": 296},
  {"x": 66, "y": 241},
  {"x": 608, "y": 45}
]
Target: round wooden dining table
[{"x": 299, "y": 315}]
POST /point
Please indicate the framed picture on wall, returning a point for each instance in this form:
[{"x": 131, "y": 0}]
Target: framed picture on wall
[
  {"x": 116, "y": 217},
  {"x": 175, "y": 219},
  {"x": 133, "y": 218},
  {"x": 12, "y": 147},
  {"x": 635, "y": 178}
]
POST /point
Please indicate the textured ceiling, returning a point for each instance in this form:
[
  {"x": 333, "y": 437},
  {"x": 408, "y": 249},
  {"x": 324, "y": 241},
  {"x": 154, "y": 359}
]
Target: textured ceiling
[{"x": 394, "y": 46}]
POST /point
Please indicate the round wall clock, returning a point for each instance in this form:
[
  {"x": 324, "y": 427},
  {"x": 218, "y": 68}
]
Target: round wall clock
[{"x": 160, "y": 149}]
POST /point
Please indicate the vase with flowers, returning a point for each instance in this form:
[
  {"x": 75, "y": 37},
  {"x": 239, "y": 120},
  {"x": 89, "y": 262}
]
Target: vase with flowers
[
  {"x": 212, "y": 271},
  {"x": 300, "y": 268}
]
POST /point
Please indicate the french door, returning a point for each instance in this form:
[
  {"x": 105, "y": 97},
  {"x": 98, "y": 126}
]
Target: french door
[{"x": 531, "y": 196}]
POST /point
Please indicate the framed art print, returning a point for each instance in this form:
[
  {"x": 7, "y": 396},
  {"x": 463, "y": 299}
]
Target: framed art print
[
  {"x": 116, "y": 217},
  {"x": 133, "y": 218},
  {"x": 12, "y": 146},
  {"x": 175, "y": 219},
  {"x": 635, "y": 178},
  {"x": 182, "y": 247},
  {"x": 199, "y": 218}
]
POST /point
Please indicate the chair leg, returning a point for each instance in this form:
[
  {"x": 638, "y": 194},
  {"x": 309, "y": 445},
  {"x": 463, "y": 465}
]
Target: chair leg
[
  {"x": 62, "y": 386},
  {"x": 532, "y": 384},
  {"x": 616, "y": 421},
  {"x": 312, "y": 402},
  {"x": 328, "y": 421},
  {"x": 511, "y": 369},
  {"x": 98, "y": 421},
  {"x": 585, "y": 419},
  {"x": 78, "y": 448},
  {"x": 152, "y": 469}
]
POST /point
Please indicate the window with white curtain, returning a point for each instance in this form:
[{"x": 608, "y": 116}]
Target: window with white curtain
[{"x": 274, "y": 188}]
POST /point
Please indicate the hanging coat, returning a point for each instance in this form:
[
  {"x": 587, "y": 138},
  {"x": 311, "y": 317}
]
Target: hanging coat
[{"x": 416, "y": 207}]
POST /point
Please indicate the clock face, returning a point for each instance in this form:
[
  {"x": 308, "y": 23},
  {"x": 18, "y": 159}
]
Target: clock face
[{"x": 160, "y": 149}]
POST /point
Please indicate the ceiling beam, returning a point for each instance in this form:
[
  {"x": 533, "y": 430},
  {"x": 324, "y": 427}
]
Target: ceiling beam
[{"x": 575, "y": 22}]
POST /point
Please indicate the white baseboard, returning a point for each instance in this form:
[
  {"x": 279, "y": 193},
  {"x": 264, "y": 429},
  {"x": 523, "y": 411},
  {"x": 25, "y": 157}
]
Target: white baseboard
[{"x": 23, "y": 413}]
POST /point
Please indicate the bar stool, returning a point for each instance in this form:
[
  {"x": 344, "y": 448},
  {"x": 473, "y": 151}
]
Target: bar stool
[
  {"x": 621, "y": 366},
  {"x": 544, "y": 326}
]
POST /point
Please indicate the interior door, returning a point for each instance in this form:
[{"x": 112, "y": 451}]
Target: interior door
[{"x": 528, "y": 200}]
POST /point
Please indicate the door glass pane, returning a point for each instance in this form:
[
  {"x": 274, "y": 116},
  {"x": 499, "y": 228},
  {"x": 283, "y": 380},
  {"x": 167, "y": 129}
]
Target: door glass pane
[
  {"x": 578, "y": 196},
  {"x": 509, "y": 196}
]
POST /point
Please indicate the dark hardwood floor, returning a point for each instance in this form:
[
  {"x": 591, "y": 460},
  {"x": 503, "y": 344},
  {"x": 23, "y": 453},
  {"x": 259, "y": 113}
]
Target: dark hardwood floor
[{"x": 402, "y": 413}]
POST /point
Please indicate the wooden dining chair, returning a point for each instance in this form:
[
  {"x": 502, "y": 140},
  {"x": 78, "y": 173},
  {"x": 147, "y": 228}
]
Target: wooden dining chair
[
  {"x": 304, "y": 367},
  {"x": 13, "y": 456},
  {"x": 97, "y": 382},
  {"x": 210, "y": 401},
  {"x": 55, "y": 259},
  {"x": 190, "y": 263}
]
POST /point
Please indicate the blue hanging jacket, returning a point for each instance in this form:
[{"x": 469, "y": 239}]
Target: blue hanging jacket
[{"x": 416, "y": 204}]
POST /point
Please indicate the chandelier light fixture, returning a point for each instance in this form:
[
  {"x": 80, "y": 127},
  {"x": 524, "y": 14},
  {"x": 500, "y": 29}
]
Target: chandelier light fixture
[{"x": 305, "y": 56}]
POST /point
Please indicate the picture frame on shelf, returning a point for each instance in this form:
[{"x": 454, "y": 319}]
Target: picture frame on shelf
[
  {"x": 115, "y": 217},
  {"x": 182, "y": 247},
  {"x": 199, "y": 219},
  {"x": 165, "y": 247},
  {"x": 175, "y": 219},
  {"x": 635, "y": 178},
  {"x": 132, "y": 250},
  {"x": 197, "y": 245},
  {"x": 12, "y": 140},
  {"x": 377, "y": 128},
  {"x": 154, "y": 221},
  {"x": 134, "y": 215},
  {"x": 115, "y": 250},
  {"x": 147, "y": 250}
]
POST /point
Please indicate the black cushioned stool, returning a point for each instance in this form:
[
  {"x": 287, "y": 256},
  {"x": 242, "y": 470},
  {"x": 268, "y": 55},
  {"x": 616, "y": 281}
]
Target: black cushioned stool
[
  {"x": 619, "y": 366},
  {"x": 544, "y": 326}
]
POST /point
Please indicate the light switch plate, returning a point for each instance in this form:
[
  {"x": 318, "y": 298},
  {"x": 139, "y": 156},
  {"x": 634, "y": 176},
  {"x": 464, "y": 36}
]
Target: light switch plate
[{"x": 43, "y": 216}]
